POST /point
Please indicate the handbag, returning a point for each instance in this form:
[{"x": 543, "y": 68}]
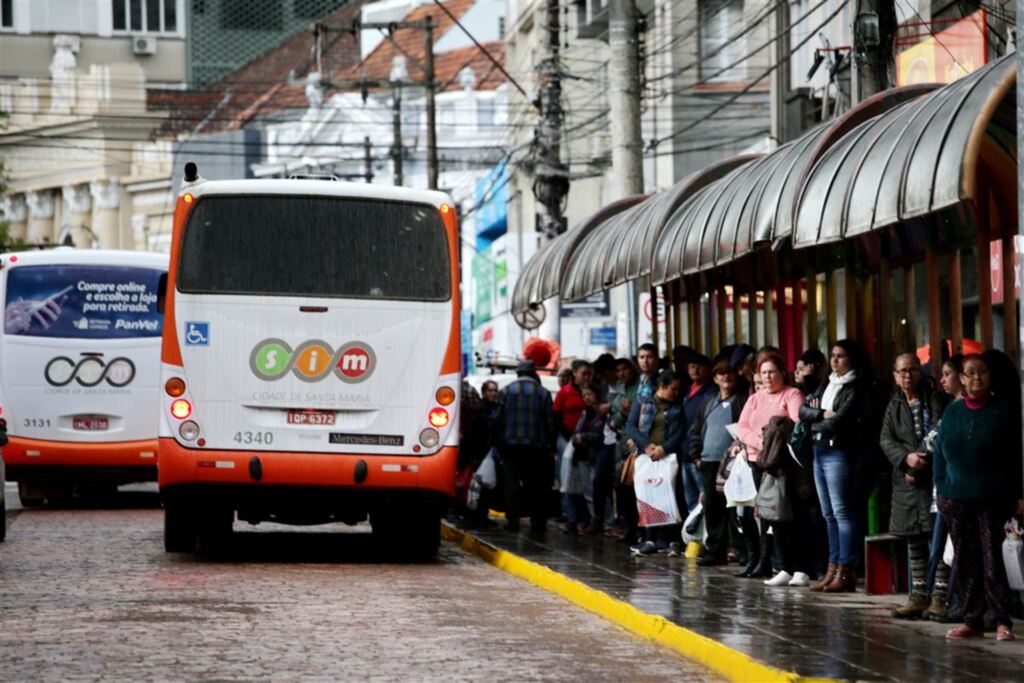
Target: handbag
[
  {"x": 628, "y": 468},
  {"x": 800, "y": 444},
  {"x": 773, "y": 503}
]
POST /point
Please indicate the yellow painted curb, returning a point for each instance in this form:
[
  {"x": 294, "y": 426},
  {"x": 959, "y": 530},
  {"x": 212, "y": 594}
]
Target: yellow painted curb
[{"x": 732, "y": 664}]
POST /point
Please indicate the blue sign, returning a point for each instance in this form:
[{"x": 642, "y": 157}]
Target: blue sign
[
  {"x": 602, "y": 336},
  {"x": 83, "y": 302},
  {"x": 492, "y": 205},
  {"x": 466, "y": 317},
  {"x": 197, "y": 333}
]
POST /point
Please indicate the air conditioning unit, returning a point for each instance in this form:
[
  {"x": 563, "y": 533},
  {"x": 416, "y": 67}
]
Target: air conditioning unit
[{"x": 144, "y": 45}]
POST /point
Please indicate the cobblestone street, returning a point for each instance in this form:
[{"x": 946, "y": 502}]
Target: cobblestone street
[{"x": 90, "y": 594}]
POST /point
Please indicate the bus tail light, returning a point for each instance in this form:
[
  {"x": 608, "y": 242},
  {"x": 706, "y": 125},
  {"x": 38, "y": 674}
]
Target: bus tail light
[
  {"x": 181, "y": 408},
  {"x": 175, "y": 387},
  {"x": 188, "y": 430},
  {"x": 429, "y": 437},
  {"x": 445, "y": 396},
  {"x": 438, "y": 417}
]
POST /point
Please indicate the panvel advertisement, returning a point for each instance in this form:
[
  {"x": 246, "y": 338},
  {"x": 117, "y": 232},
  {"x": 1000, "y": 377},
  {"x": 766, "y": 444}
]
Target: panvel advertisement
[
  {"x": 84, "y": 302},
  {"x": 944, "y": 55}
]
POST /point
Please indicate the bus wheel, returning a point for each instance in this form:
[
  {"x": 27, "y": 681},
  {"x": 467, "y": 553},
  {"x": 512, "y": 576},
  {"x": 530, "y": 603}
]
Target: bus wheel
[
  {"x": 215, "y": 529},
  {"x": 180, "y": 529},
  {"x": 30, "y": 494}
]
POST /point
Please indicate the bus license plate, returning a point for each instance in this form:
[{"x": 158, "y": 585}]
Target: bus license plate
[
  {"x": 90, "y": 423},
  {"x": 310, "y": 417}
]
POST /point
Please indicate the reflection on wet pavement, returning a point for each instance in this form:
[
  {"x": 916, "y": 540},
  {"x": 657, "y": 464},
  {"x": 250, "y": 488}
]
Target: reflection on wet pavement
[{"x": 847, "y": 636}]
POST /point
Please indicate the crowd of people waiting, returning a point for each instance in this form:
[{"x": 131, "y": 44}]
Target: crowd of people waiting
[{"x": 826, "y": 433}]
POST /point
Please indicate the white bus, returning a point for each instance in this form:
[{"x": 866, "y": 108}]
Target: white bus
[
  {"x": 79, "y": 368},
  {"x": 311, "y": 359}
]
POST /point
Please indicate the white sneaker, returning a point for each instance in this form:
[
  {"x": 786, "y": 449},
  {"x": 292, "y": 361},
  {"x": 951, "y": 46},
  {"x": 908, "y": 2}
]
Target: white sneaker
[
  {"x": 800, "y": 579},
  {"x": 781, "y": 579}
]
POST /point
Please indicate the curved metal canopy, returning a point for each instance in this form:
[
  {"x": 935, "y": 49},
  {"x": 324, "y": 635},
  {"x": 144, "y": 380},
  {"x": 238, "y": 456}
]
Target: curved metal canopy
[
  {"x": 542, "y": 275},
  {"x": 755, "y": 203},
  {"x": 621, "y": 248},
  {"x": 915, "y": 159}
]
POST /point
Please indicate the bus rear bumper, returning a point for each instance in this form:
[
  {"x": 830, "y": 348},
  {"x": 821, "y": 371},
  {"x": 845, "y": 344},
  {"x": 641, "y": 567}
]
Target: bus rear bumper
[
  {"x": 43, "y": 460},
  {"x": 181, "y": 466}
]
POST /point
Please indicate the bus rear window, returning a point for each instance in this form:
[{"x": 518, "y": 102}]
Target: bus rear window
[
  {"x": 315, "y": 246},
  {"x": 82, "y": 302}
]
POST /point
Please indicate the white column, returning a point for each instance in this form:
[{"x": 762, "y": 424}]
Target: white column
[
  {"x": 140, "y": 228},
  {"x": 106, "y": 197},
  {"x": 15, "y": 212},
  {"x": 77, "y": 216},
  {"x": 40, "y": 216}
]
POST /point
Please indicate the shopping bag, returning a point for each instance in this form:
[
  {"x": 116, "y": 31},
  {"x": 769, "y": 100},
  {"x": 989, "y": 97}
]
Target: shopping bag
[
  {"x": 628, "y": 467},
  {"x": 947, "y": 552},
  {"x": 739, "y": 487},
  {"x": 654, "y": 483},
  {"x": 773, "y": 503},
  {"x": 1013, "y": 556},
  {"x": 473, "y": 496},
  {"x": 694, "y": 528},
  {"x": 487, "y": 473},
  {"x": 569, "y": 474}
]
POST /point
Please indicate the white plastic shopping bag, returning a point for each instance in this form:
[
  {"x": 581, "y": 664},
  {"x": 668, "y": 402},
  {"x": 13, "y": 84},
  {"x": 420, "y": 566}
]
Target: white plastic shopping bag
[
  {"x": 487, "y": 473},
  {"x": 947, "y": 552},
  {"x": 654, "y": 482},
  {"x": 473, "y": 495},
  {"x": 695, "y": 528},
  {"x": 569, "y": 474},
  {"x": 739, "y": 487},
  {"x": 1013, "y": 556}
]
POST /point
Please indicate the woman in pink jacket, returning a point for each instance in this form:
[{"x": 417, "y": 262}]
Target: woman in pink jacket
[{"x": 775, "y": 398}]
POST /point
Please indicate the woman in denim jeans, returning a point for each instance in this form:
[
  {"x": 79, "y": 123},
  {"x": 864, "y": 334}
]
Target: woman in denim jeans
[{"x": 834, "y": 412}]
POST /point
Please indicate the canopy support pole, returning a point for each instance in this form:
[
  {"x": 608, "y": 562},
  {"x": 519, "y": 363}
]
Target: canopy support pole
[
  {"x": 1010, "y": 342},
  {"x": 723, "y": 326},
  {"x": 654, "y": 317},
  {"x": 737, "y": 314},
  {"x": 677, "y": 314},
  {"x": 934, "y": 310},
  {"x": 692, "y": 303},
  {"x": 752, "y": 308},
  {"x": 832, "y": 306},
  {"x": 909, "y": 308},
  {"x": 886, "y": 328},
  {"x": 956, "y": 305},
  {"x": 984, "y": 268},
  {"x": 812, "y": 308},
  {"x": 851, "y": 297}
]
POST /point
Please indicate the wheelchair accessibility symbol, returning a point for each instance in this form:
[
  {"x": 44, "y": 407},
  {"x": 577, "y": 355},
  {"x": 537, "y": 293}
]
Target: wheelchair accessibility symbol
[{"x": 197, "y": 334}]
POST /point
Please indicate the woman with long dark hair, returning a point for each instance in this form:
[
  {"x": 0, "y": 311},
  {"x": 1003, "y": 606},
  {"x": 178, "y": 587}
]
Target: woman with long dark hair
[{"x": 834, "y": 412}]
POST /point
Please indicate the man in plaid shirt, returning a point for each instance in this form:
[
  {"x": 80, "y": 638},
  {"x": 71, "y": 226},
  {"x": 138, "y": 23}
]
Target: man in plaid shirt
[{"x": 525, "y": 438}]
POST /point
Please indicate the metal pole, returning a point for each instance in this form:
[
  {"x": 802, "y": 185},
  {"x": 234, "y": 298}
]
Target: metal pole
[
  {"x": 396, "y": 133},
  {"x": 367, "y": 159},
  {"x": 780, "y": 76},
  {"x": 874, "y": 26},
  {"x": 432, "y": 173}
]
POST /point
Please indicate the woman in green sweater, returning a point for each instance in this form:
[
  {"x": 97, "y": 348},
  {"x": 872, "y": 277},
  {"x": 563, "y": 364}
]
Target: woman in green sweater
[{"x": 977, "y": 474}]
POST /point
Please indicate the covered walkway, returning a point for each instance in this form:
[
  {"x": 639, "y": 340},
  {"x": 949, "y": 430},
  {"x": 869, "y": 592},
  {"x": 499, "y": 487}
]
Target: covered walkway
[{"x": 839, "y": 636}]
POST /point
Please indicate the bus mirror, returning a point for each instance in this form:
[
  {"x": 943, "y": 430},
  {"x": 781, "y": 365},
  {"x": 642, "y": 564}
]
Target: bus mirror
[{"x": 161, "y": 294}]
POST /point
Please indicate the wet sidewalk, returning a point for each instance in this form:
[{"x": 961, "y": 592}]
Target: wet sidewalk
[{"x": 849, "y": 636}]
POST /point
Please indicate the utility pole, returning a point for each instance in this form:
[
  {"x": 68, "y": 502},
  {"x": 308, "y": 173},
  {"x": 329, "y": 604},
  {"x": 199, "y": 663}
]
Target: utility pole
[
  {"x": 624, "y": 104},
  {"x": 551, "y": 176},
  {"x": 781, "y": 75},
  {"x": 367, "y": 159},
  {"x": 428, "y": 29},
  {"x": 874, "y": 27},
  {"x": 396, "y": 133}
]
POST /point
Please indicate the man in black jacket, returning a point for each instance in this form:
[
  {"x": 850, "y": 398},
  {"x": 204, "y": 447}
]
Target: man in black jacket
[{"x": 708, "y": 442}]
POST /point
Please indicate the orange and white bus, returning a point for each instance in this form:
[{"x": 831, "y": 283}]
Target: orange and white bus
[
  {"x": 311, "y": 359},
  {"x": 79, "y": 368}
]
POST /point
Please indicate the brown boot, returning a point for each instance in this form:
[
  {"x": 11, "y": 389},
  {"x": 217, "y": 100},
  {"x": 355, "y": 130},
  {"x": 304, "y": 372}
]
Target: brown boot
[
  {"x": 819, "y": 585},
  {"x": 845, "y": 581},
  {"x": 914, "y": 608},
  {"x": 937, "y": 607}
]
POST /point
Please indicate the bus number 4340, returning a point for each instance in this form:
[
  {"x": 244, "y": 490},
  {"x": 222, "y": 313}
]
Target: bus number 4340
[{"x": 247, "y": 438}]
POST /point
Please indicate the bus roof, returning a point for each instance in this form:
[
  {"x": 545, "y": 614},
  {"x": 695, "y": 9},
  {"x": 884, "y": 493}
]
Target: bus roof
[
  {"x": 329, "y": 188},
  {"x": 69, "y": 255}
]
